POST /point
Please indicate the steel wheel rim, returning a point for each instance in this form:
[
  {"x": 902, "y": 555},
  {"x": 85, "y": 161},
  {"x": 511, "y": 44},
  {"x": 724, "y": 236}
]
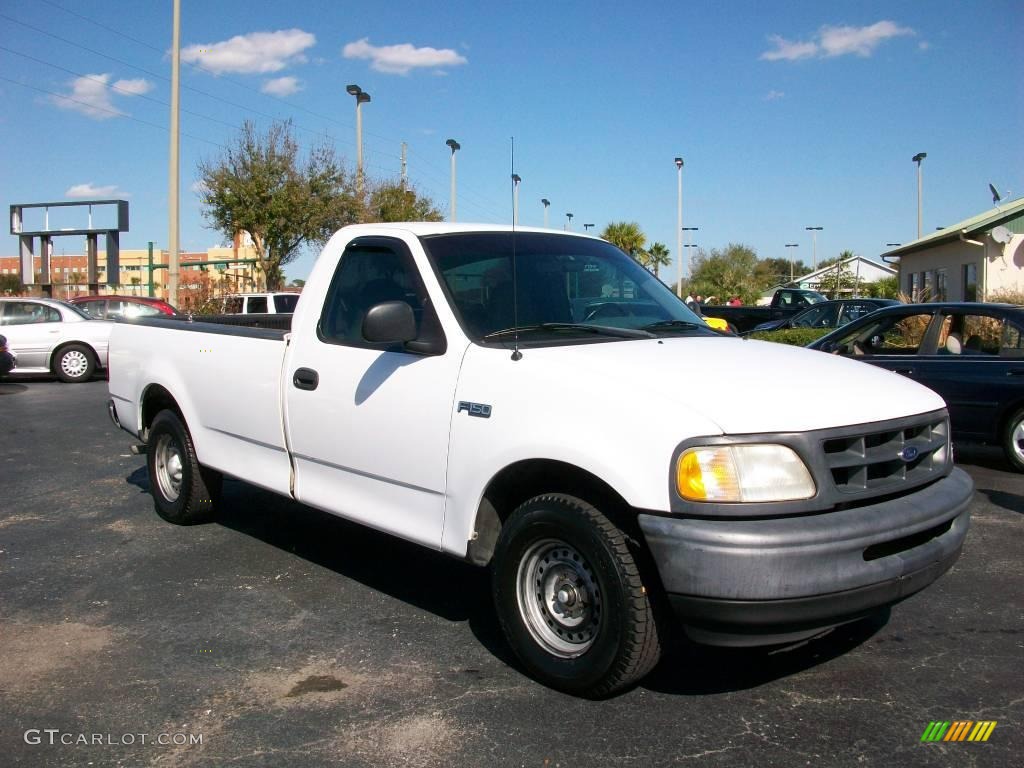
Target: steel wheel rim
[
  {"x": 559, "y": 598},
  {"x": 1017, "y": 440},
  {"x": 168, "y": 467},
  {"x": 74, "y": 363}
]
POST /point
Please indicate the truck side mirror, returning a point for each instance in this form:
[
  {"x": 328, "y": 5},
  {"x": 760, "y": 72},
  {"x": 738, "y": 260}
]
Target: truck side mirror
[{"x": 390, "y": 322}]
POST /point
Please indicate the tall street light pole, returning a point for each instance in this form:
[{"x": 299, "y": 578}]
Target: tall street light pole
[
  {"x": 791, "y": 245},
  {"x": 917, "y": 159},
  {"x": 515, "y": 199},
  {"x": 361, "y": 97},
  {"x": 546, "y": 203},
  {"x": 173, "y": 224},
  {"x": 455, "y": 147},
  {"x": 679, "y": 226},
  {"x": 568, "y": 222},
  {"x": 586, "y": 227},
  {"x": 814, "y": 246}
]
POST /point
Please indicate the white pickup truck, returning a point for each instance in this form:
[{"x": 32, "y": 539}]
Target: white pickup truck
[{"x": 537, "y": 402}]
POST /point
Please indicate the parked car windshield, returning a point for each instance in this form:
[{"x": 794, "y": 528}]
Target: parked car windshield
[{"x": 567, "y": 288}]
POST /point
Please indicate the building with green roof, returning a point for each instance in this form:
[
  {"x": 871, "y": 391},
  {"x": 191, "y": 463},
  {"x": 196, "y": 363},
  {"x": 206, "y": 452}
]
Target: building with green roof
[{"x": 976, "y": 259}]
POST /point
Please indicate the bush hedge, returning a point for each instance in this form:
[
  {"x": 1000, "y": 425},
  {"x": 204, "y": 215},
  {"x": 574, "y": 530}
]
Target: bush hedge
[{"x": 797, "y": 336}]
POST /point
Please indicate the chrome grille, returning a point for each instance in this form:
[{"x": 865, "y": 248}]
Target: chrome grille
[{"x": 886, "y": 459}]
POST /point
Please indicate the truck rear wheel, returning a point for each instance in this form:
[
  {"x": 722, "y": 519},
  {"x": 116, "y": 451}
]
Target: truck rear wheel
[
  {"x": 184, "y": 492},
  {"x": 570, "y": 598}
]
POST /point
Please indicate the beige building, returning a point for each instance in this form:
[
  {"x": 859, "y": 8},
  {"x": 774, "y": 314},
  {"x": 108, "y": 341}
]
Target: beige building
[
  {"x": 216, "y": 272},
  {"x": 974, "y": 260}
]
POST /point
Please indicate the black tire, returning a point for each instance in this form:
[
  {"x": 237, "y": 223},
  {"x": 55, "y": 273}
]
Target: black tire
[
  {"x": 570, "y": 598},
  {"x": 184, "y": 492},
  {"x": 1013, "y": 440},
  {"x": 74, "y": 363}
]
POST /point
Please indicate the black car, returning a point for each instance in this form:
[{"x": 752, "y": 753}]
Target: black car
[
  {"x": 972, "y": 354},
  {"x": 827, "y": 314}
]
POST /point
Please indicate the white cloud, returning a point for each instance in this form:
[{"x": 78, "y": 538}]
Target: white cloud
[
  {"x": 91, "y": 95},
  {"x": 90, "y": 190},
  {"x": 836, "y": 41},
  {"x": 403, "y": 58},
  {"x": 839, "y": 41},
  {"x": 136, "y": 87},
  {"x": 282, "y": 86},
  {"x": 774, "y": 95},
  {"x": 256, "y": 52},
  {"x": 786, "y": 50}
]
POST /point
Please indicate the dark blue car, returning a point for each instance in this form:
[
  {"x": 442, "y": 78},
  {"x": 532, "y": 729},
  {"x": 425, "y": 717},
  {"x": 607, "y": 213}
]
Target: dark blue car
[
  {"x": 827, "y": 314},
  {"x": 972, "y": 354}
]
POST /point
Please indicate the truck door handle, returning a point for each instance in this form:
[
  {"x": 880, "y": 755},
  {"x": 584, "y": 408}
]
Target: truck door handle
[
  {"x": 904, "y": 371},
  {"x": 1015, "y": 373},
  {"x": 305, "y": 378}
]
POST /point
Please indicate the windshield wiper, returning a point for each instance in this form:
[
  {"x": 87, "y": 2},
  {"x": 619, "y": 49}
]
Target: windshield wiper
[
  {"x": 603, "y": 330},
  {"x": 682, "y": 325}
]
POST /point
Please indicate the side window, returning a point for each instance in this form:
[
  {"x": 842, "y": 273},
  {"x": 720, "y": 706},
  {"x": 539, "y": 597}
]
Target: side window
[
  {"x": 853, "y": 310},
  {"x": 96, "y": 309},
  {"x": 257, "y": 305},
  {"x": 116, "y": 308},
  {"x": 28, "y": 313},
  {"x": 131, "y": 309},
  {"x": 368, "y": 275},
  {"x": 1012, "y": 344},
  {"x": 899, "y": 335},
  {"x": 969, "y": 335},
  {"x": 818, "y": 317},
  {"x": 286, "y": 303},
  {"x": 233, "y": 305}
]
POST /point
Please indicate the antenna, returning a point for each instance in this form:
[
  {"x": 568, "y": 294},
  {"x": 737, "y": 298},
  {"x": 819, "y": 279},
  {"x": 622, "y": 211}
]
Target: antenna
[
  {"x": 996, "y": 197},
  {"x": 516, "y": 354}
]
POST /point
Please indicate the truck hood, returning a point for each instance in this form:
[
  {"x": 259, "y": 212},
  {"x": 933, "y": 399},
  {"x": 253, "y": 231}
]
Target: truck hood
[{"x": 742, "y": 386}]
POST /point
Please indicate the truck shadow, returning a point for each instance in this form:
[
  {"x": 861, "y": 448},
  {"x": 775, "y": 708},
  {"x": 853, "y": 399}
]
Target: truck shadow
[{"x": 457, "y": 592}]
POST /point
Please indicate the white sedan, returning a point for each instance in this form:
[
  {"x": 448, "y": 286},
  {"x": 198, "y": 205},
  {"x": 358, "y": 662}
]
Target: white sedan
[{"x": 49, "y": 336}]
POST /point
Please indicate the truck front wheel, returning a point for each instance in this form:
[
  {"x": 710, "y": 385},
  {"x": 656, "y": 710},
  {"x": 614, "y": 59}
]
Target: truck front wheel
[
  {"x": 184, "y": 492},
  {"x": 570, "y": 598}
]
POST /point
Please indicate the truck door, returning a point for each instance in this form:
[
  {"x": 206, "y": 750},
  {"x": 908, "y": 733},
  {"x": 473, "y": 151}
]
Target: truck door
[{"x": 368, "y": 424}]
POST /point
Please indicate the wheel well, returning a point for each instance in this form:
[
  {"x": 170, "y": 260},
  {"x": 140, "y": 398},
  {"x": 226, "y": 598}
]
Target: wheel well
[
  {"x": 154, "y": 400},
  {"x": 1004, "y": 419},
  {"x": 523, "y": 480},
  {"x": 55, "y": 355}
]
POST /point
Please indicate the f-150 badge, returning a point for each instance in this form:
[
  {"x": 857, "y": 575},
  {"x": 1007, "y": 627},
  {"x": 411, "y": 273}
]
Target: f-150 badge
[{"x": 481, "y": 410}]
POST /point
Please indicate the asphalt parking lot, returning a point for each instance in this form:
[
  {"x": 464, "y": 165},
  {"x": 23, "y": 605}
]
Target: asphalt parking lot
[{"x": 283, "y": 636}]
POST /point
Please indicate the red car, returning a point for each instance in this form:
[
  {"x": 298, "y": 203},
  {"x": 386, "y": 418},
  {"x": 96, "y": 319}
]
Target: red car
[{"x": 112, "y": 307}]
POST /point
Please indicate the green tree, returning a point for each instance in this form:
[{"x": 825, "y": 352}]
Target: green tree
[
  {"x": 885, "y": 288},
  {"x": 298, "y": 283},
  {"x": 840, "y": 278},
  {"x": 390, "y": 201},
  {"x": 726, "y": 272},
  {"x": 776, "y": 271},
  {"x": 658, "y": 256},
  {"x": 262, "y": 186},
  {"x": 10, "y": 285},
  {"x": 628, "y": 236}
]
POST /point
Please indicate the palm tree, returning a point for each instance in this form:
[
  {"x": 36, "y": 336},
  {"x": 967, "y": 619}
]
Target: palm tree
[
  {"x": 658, "y": 256},
  {"x": 628, "y": 236}
]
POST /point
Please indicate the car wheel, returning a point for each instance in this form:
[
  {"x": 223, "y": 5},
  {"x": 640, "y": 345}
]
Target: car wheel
[
  {"x": 74, "y": 363},
  {"x": 570, "y": 598},
  {"x": 184, "y": 492},
  {"x": 1013, "y": 440}
]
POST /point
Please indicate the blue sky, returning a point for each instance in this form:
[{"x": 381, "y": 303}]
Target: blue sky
[{"x": 787, "y": 114}]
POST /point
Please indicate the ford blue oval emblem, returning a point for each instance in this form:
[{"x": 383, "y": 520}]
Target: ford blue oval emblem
[{"x": 909, "y": 453}]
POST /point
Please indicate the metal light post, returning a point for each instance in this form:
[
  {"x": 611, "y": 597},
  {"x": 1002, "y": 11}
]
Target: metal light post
[
  {"x": 546, "y": 204},
  {"x": 679, "y": 226},
  {"x": 791, "y": 245},
  {"x": 814, "y": 246},
  {"x": 586, "y": 227},
  {"x": 568, "y": 222},
  {"x": 455, "y": 147},
  {"x": 515, "y": 199},
  {"x": 174, "y": 176},
  {"x": 917, "y": 159},
  {"x": 361, "y": 97}
]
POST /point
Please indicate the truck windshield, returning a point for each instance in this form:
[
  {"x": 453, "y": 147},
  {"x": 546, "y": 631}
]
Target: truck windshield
[{"x": 566, "y": 289}]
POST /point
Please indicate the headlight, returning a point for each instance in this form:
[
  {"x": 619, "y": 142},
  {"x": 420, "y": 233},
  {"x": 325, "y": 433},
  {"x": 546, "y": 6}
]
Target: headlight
[{"x": 737, "y": 473}]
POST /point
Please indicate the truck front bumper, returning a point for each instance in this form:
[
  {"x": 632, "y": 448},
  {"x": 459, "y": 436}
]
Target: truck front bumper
[{"x": 765, "y": 581}]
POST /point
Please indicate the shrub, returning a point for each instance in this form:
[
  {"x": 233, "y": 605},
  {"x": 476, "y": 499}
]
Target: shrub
[
  {"x": 1007, "y": 296},
  {"x": 799, "y": 337}
]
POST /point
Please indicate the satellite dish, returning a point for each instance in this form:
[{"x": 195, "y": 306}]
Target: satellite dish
[{"x": 1001, "y": 235}]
